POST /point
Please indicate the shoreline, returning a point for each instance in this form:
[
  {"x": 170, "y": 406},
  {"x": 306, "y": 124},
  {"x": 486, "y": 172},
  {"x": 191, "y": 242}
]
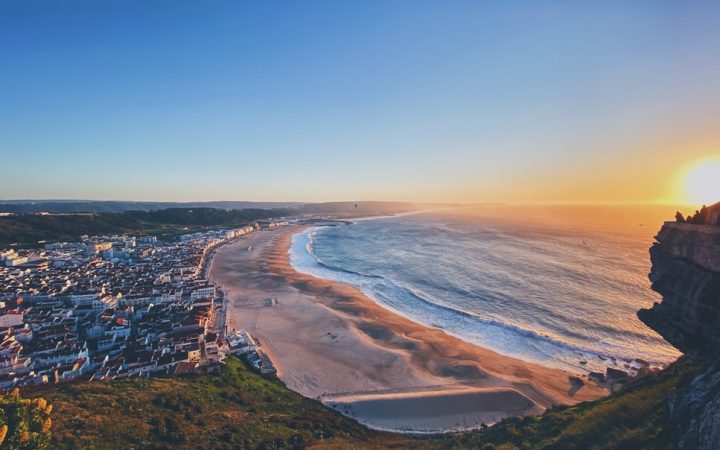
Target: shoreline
[
  {"x": 570, "y": 357},
  {"x": 331, "y": 342}
]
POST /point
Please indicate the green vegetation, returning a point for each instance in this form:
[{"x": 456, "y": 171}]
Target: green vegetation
[
  {"x": 24, "y": 423},
  {"x": 634, "y": 418},
  {"x": 27, "y": 230},
  {"x": 238, "y": 408}
]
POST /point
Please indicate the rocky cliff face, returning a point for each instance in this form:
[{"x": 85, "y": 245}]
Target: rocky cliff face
[{"x": 686, "y": 272}]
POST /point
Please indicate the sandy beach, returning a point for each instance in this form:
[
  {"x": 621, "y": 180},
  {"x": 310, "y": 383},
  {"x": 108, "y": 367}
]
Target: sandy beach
[{"x": 329, "y": 341}]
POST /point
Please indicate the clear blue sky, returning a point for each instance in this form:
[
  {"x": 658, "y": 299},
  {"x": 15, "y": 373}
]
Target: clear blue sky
[{"x": 332, "y": 100}]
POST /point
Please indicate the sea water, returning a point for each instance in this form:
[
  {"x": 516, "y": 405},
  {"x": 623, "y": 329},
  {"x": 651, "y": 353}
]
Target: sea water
[{"x": 557, "y": 286}]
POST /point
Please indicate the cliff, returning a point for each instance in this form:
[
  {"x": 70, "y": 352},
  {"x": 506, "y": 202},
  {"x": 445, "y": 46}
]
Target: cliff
[{"x": 686, "y": 272}]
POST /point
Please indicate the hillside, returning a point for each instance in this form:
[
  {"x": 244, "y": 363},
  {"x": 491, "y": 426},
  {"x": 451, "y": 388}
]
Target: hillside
[
  {"x": 95, "y": 206},
  {"x": 236, "y": 408},
  {"x": 27, "y": 230},
  {"x": 239, "y": 409}
]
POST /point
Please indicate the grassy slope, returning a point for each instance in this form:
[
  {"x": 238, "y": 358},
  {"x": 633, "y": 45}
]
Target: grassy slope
[
  {"x": 24, "y": 424},
  {"x": 634, "y": 418},
  {"x": 239, "y": 408}
]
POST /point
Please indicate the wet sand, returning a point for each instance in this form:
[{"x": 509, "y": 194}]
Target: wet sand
[{"x": 329, "y": 341}]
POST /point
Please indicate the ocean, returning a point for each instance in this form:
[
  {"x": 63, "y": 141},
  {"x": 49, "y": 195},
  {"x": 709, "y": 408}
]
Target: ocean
[{"x": 559, "y": 286}]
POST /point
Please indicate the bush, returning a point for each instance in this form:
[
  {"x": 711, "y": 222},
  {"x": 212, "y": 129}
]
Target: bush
[{"x": 24, "y": 424}]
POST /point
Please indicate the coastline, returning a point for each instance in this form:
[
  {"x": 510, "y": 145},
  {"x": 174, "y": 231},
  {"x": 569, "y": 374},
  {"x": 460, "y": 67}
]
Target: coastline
[{"x": 329, "y": 341}]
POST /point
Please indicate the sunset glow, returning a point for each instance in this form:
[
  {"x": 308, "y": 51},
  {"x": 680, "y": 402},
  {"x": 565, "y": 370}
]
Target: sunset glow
[
  {"x": 330, "y": 101},
  {"x": 702, "y": 182}
]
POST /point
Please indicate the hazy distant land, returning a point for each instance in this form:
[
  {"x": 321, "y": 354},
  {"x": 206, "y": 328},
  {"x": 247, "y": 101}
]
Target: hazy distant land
[
  {"x": 26, "y": 223},
  {"x": 355, "y": 207}
]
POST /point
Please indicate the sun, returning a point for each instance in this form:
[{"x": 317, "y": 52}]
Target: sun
[{"x": 702, "y": 182}]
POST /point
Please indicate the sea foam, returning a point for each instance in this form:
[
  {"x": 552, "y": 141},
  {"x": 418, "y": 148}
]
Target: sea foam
[{"x": 425, "y": 269}]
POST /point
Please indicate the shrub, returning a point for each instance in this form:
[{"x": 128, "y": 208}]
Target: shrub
[{"x": 24, "y": 423}]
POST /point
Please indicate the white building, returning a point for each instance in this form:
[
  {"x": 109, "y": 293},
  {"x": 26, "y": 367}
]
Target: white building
[
  {"x": 11, "y": 319},
  {"x": 202, "y": 293}
]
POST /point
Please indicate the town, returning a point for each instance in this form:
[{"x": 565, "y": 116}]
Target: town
[{"x": 109, "y": 307}]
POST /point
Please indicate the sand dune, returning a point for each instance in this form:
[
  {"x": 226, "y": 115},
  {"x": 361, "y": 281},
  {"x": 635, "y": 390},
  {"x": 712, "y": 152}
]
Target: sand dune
[{"x": 330, "y": 341}]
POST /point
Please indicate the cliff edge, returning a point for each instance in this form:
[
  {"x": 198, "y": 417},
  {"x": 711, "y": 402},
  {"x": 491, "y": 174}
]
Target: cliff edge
[{"x": 686, "y": 272}]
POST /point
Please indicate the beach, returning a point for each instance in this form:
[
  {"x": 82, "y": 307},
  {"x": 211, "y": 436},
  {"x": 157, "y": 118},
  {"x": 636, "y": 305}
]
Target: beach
[{"x": 331, "y": 342}]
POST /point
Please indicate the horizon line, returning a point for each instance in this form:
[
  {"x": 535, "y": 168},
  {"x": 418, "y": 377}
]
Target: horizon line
[{"x": 416, "y": 202}]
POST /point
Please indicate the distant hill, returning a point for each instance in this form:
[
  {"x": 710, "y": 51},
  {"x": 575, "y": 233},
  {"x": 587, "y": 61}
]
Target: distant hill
[
  {"x": 340, "y": 208},
  {"x": 26, "y": 230},
  {"x": 76, "y": 206}
]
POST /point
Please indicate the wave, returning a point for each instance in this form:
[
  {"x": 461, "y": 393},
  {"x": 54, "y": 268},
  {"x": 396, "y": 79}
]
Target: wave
[
  {"x": 419, "y": 307},
  {"x": 322, "y": 263}
]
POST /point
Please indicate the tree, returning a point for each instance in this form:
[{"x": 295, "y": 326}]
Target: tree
[{"x": 679, "y": 217}]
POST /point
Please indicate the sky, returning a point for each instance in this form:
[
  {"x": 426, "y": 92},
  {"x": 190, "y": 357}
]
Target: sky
[{"x": 462, "y": 101}]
